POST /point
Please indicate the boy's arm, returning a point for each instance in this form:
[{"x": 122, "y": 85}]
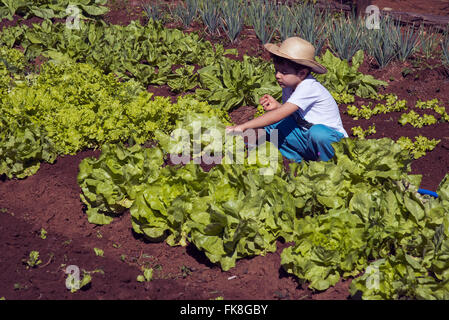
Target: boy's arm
[{"x": 268, "y": 118}]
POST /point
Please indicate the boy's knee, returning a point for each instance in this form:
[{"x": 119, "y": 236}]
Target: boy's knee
[{"x": 320, "y": 134}]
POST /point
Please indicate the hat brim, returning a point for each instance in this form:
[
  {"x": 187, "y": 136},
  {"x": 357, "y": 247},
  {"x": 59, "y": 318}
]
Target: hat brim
[{"x": 315, "y": 66}]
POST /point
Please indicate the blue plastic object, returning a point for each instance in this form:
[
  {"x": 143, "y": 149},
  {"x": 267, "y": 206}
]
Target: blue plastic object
[{"x": 430, "y": 193}]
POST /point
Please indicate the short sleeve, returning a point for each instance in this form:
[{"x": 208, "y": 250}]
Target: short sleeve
[{"x": 304, "y": 96}]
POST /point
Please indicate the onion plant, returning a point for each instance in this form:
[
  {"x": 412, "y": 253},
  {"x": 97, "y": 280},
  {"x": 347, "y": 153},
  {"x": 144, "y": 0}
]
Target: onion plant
[
  {"x": 233, "y": 18},
  {"x": 210, "y": 14},
  {"x": 262, "y": 15},
  {"x": 445, "y": 49},
  {"x": 428, "y": 41},
  {"x": 287, "y": 23},
  {"x": 346, "y": 37},
  {"x": 311, "y": 24},
  {"x": 186, "y": 12},
  {"x": 380, "y": 43},
  {"x": 152, "y": 11},
  {"x": 406, "y": 41}
]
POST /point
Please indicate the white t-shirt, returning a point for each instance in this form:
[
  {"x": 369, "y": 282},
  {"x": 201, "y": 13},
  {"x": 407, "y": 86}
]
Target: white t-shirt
[{"x": 315, "y": 104}]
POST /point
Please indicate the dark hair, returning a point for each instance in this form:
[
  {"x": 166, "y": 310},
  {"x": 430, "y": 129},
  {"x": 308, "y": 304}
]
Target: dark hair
[{"x": 298, "y": 67}]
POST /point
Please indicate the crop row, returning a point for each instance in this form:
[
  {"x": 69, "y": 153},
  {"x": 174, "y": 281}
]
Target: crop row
[
  {"x": 357, "y": 212},
  {"x": 388, "y": 41}
]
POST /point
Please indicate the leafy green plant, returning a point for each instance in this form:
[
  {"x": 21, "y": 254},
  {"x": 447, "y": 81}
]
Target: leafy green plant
[
  {"x": 99, "y": 252},
  {"x": 74, "y": 284},
  {"x": 435, "y": 105},
  {"x": 144, "y": 53},
  {"x": 361, "y": 134},
  {"x": 183, "y": 79},
  {"x": 343, "y": 78},
  {"x": 147, "y": 275},
  {"x": 416, "y": 120},
  {"x": 33, "y": 259},
  {"x": 48, "y": 9},
  {"x": 39, "y": 124},
  {"x": 419, "y": 147},
  {"x": 343, "y": 97},
  {"x": 400, "y": 276},
  {"x": 363, "y": 198},
  {"x": 392, "y": 104},
  {"x": 43, "y": 234},
  {"x": 231, "y": 83}
]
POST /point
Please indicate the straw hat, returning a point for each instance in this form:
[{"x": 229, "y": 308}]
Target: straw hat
[{"x": 297, "y": 50}]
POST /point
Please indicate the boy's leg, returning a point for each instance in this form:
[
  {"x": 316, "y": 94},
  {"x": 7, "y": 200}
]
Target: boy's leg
[
  {"x": 320, "y": 138},
  {"x": 292, "y": 140}
]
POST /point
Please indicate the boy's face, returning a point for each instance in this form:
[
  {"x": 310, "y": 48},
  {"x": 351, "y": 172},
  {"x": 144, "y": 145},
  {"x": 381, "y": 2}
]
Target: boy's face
[{"x": 286, "y": 75}]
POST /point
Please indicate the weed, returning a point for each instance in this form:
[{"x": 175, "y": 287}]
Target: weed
[
  {"x": 147, "y": 275},
  {"x": 186, "y": 271},
  {"x": 33, "y": 260},
  {"x": 43, "y": 234},
  {"x": 99, "y": 252}
]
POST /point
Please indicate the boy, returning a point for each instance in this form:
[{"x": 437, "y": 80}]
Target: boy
[{"x": 308, "y": 120}]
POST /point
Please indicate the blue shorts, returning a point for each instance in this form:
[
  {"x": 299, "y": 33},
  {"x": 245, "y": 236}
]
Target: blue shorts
[{"x": 297, "y": 143}]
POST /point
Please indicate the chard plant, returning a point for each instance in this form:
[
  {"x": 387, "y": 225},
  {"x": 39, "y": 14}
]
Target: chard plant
[
  {"x": 49, "y": 9},
  {"x": 345, "y": 78}
]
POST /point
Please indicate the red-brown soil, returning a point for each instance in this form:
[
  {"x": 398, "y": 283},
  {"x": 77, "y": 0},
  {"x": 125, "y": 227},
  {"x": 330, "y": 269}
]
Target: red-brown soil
[
  {"x": 433, "y": 7},
  {"x": 50, "y": 200}
]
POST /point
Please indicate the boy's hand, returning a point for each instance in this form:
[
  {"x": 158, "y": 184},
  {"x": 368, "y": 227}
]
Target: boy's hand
[
  {"x": 235, "y": 129},
  {"x": 269, "y": 103}
]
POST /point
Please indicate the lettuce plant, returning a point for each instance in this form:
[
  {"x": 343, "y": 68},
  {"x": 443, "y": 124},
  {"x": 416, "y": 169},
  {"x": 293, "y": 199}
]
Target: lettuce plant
[{"x": 344, "y": 78}]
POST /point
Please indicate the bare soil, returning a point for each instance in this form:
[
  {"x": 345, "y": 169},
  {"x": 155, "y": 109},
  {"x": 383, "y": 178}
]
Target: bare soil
[{"x": 50, "y": 200}]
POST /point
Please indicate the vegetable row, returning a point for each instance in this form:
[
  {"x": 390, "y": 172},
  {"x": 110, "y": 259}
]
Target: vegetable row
[{"x": 358, "y": 214}]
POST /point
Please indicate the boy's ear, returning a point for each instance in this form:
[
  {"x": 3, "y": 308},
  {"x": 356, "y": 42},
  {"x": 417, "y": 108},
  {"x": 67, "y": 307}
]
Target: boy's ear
[{"x": 303, "y": 73}]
